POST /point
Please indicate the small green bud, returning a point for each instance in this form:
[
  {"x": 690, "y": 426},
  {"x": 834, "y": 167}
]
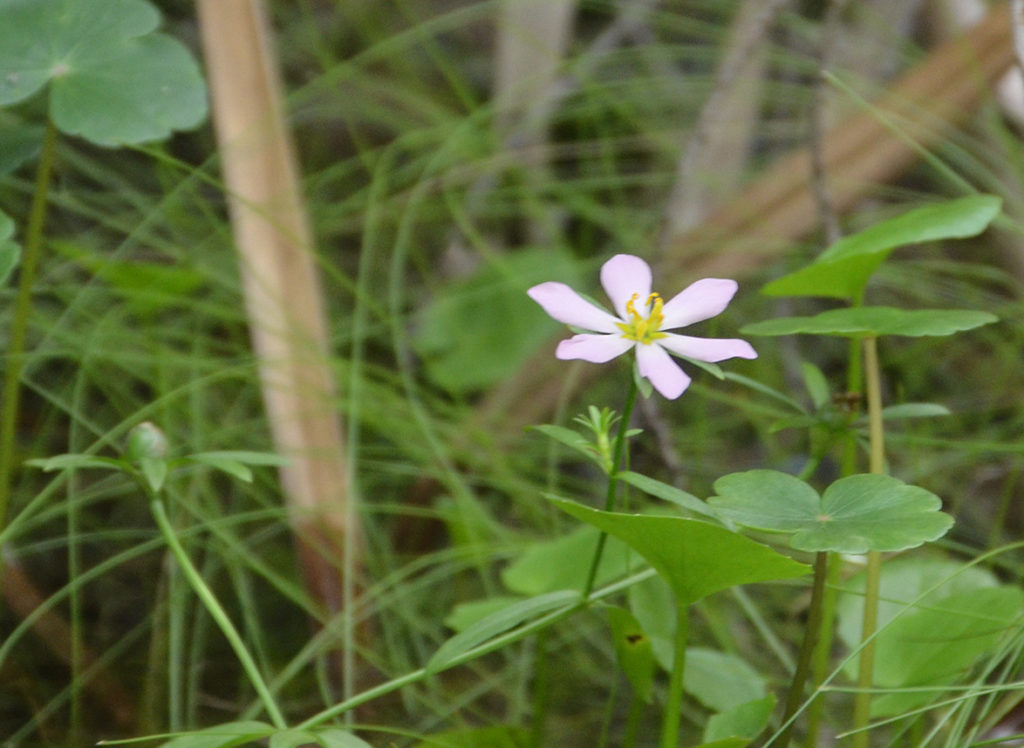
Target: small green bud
[{"x": 146, "y": 441}]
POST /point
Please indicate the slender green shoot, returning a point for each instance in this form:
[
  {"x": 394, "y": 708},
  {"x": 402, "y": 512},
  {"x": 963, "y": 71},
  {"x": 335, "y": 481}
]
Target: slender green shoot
[
  {"x": 613, "y": 481},
  {"x": 217, "y": 612}
]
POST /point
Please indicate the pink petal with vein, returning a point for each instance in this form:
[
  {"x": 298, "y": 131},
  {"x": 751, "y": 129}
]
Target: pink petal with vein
[
  {"x": 699, "y": 301},
  {"x": 596, "y": 349},
  {"x": 707, "y": 349},
  {"x": 567, "y": 306},
  {"x": 625, "y": 275},
  {"x": 664, "y": 373}
]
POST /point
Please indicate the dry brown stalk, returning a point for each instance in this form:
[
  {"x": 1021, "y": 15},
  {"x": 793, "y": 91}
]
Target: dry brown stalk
[
  {"x": 719, "y": 143},
  {"x": 54, "y": 631},
  {"x": 778, "y": 208},
  {"x": 282, "y": 291}
]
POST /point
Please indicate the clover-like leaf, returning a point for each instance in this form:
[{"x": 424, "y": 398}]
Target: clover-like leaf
[
  {"x": 696, "y": 558},
  {"x": 842, "y": 270},
  {"x": 856, "y": 514},
  {"x": 112, "y": 80},
  {"x": 867, "y": 321}
]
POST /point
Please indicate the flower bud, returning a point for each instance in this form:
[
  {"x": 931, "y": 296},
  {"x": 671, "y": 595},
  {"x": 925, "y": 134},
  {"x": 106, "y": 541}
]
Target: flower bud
[{"x": 146, "y": 441}]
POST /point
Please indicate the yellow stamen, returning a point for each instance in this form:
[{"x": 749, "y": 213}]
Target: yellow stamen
[{"x": 640, "y": 328}]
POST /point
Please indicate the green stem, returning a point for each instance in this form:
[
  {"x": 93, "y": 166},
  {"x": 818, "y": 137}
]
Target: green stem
[
  {"x": 807, "y": 648},
  {"x": 618, "y": 452},
  {"x": 873, "y": 573},
  {"x": 848, "y": 466},
  {"x": 636, "y": 711},
  {"x": 218, "y": 613},
  {"x": 541, "y": 688},
  {"x": 674, "y": 702},
  {"x": 823, "y": 650},
  {"x": 19, "y": 319}
]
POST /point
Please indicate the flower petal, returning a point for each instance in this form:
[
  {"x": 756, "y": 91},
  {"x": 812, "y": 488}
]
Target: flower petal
[
  {"x": 593, "y": 348},
  {"x": 567, "y": 306},
  {"x": 625, "y": 275},
  {"x": 666, "y": 376},
  {"x": 707, "y": 349},
  {"x": 701, "y": 300}
]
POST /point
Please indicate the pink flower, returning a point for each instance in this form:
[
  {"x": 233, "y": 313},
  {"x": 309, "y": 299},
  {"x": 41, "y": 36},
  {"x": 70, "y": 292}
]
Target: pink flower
[{"x": 641, "y": 323}]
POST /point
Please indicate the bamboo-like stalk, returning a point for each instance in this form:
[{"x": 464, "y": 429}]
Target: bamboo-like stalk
[
  {"x": 282, "y": 291},
  {"x": 778, "y": 208}
]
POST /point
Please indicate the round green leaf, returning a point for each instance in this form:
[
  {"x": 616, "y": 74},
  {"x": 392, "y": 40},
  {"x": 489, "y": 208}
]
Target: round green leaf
[
  {"x": 857, "y": 514},
  {"x": 866, "y": 321},
  {"x": 112, "y": 80},
  {"x": 842, "y": 270},
  {"x": 696, "y": 558}
]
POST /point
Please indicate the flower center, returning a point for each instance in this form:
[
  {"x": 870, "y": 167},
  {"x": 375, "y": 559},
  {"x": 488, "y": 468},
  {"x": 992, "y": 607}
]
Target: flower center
[{"x": 642, "y": 326}]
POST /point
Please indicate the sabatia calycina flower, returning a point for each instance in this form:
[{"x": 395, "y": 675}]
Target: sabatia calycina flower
[{"x": 643, "y": 318}]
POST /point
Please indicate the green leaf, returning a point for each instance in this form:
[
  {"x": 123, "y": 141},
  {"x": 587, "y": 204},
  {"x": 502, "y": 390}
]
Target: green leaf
[
  {"x": 10, "y": 252},
  {"x": 494, "y": 736},
  {"x": 235, "y": 462},
  {"x": 743, "y": 721},
  {"x": 572, "y": 439},
  {"x": 964, "y": 613},
  {"x": 669, "y": 493},
  {"x": 563, "y": 563},
  {"x": 464, "y": 615},
  {"x": 66, "y": 462},
  {"x": 865, "y": 321},
  {"x": 842, "y": 271},
  {"x": 726, "y": 743},
  {"x": 857, "y": 514},
  {"x": 498, "y": 623},
  {"x": 154, "y": 471},
  {"x": 633, "y": 651},
  {"x": 231, "y": 467},
  {"x": 147, "y": 287},
  {"x": 112, "y": 80},
  {"x": 335, "y": 737},
  {"x": 816, "y": 384},
  {"x": 696, "y": 558},
  {"x": 652, "y": 604},
  {"x": 292, "y": 739},
  {"x": 18, "y": 143},
  {"x": 721, "y": 681},
  {"x": 223, "y": 736},
  {"x": 914, "y": 410},
  {"x": 241, "y": 455},
  {"x": 479, "y": 329}
]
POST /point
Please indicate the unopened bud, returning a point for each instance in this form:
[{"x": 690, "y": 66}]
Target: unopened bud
[{"x": 146, "y": 440}]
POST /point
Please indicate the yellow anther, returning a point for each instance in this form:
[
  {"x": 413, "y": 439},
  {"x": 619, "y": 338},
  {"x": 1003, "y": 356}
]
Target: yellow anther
[{"x": 639, "y": 328}]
